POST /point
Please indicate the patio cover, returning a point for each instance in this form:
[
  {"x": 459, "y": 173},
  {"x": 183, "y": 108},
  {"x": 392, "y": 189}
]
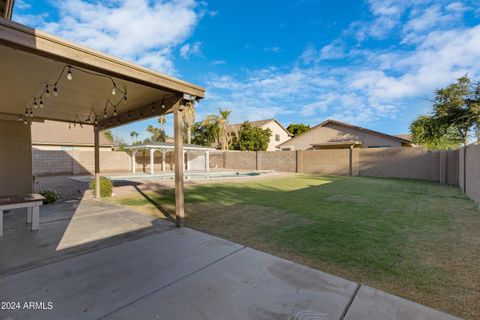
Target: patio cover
[{"x": 30, "y": 59}]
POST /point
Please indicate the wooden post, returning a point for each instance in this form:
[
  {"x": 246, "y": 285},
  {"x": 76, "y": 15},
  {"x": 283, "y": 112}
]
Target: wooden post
[
  {"x": 179, "y": 167},
  {"x": 97, "y": 162},
  {"x": 350, "y": 162},
  {"x": 164, "y": 154}
]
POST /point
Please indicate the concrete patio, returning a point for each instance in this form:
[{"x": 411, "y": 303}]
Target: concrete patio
[{"x": 94, "y": 260}]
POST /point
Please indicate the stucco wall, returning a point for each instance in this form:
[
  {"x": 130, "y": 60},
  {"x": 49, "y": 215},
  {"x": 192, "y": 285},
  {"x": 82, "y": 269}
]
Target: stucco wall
[
  {"x": 15, "y": 158},
  {"x": 334, "y": 133},
  {"x": 246, "y": 160},
  {"x": 276, "y": 129}
]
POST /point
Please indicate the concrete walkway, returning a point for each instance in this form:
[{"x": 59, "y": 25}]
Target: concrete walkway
[{"x": 184, "y": 274}]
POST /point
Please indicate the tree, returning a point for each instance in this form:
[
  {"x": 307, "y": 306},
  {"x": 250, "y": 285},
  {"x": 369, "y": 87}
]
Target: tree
[
  {"x": 108, "y": 134},
  {"x": 157, "y": 134},
  {"x": 455, "y": 117},
  {"x": 430, "y": 133},
  {"x": 204, "y": 134},
  {"x": 189, "y": 120},
  {"x": 134, "y": 136},
  {"x": 458, "y": 106},
  {"x": 298, "y": 128},
  {"x": 250, "y": 138},
  {"x": 219, "y": 125}
]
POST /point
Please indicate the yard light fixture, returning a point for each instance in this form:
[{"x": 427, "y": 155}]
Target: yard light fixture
[
  {"x": 69, "y": 74},
  {"x": 114, "y": 91},
  {"x": 163, "y": 102}
]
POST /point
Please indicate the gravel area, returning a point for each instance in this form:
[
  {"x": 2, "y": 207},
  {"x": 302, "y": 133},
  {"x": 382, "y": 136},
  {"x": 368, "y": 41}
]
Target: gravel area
[{"x": 67, "y": 188}]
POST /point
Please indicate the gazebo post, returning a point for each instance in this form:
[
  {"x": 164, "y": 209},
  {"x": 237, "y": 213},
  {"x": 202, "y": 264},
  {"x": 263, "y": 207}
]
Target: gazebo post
[
  {"x": 207, "y": 161},
  {"x": 152, "y": 161},
  {"x": 164, "y": 153},
  {"x": 134, "y": 164},
  {"x": 97, "y": 162},
  {"x": 178, "y": 134}
]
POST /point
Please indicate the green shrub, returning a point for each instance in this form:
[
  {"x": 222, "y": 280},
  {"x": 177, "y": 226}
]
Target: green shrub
[
  {"x": 106, "y": 187},
  {"x": 50, "y": 195}
]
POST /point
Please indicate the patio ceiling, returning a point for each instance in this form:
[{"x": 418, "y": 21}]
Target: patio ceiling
[{"x": 31, "y": 59}]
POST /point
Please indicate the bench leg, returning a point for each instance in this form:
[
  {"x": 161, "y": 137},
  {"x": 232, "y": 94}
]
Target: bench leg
[
  {"x": 29, "y": 214},
  {"x": 35, "y": 217},
  {"x": 1, "y": 223}
]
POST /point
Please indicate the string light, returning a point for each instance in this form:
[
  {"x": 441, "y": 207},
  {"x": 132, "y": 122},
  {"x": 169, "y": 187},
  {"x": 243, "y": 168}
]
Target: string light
[
  {"x": 47, "y": 92},
  {"x": 115, "y": 111},
  {"x": 69, "y": 126},
  {"x": 105, "y": 113},
  {"x": 41, "y": 104},
  {"x": 35, "y": 103},
  {"x": 25, "y": 121},
  {"x": 31, "y": 113},
  {"x": 55, "y": 91},
  {"x": 114, "y": 91},
  {"x": 69, "y": 74}
]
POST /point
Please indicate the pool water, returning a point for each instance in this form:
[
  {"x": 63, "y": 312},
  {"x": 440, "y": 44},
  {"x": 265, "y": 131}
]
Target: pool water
[{"x": 189, "y": 176}]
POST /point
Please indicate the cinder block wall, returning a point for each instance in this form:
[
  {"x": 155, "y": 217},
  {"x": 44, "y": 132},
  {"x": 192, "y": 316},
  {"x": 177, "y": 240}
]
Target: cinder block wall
[
  {"x": 335, "y": 161},
  {"x": 472, "y": 172},
  {"x": 15, "y": 158}
]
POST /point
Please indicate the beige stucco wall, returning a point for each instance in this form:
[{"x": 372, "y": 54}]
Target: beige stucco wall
[
  {"x": 15, "y": 158},
  {"x": 276, "y": 129},
  {"x": 334, "y": 133}
]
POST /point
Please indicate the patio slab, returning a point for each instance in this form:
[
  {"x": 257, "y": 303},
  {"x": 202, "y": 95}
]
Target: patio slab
[
  {"x": 370, "y": 303},
  {"x": 248, "y": 285}
]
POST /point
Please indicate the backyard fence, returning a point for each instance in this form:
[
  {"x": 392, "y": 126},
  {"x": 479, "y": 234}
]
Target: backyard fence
[{"x": 408, "y": 163}]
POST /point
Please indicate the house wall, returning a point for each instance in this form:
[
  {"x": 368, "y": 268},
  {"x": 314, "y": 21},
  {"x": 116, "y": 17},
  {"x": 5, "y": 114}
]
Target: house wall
[
  {"x": 276, "y": 129},
  {"x": 333, "y": 133},
  {"x": 15, "y": 158}
]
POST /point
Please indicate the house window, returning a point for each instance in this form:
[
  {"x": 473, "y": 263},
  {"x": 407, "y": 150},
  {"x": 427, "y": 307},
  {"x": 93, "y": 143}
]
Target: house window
[{"x": 277, "y": 137}]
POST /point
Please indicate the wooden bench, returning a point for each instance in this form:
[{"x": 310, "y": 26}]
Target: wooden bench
[{"x": 30, "y": 201}]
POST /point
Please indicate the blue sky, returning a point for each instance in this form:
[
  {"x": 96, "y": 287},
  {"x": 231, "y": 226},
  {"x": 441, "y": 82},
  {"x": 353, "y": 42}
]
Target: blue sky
[{"x": 371, "y": 63}]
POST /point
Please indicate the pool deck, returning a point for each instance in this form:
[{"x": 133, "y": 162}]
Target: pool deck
[{"x": 95, "y": 260}]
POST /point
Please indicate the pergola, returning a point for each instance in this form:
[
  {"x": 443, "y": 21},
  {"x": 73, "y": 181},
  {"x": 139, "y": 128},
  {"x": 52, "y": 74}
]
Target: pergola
[
  {"x": 164, "y": 147},
  {"x": 44, "y": 77}
]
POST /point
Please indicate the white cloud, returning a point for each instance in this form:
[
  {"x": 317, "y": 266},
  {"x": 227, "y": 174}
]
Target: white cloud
[
  {"x": 194, "y": 49},
  {"x": 138, "y": 30}
]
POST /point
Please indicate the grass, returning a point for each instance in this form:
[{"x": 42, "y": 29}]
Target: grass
[{"x": 416, "y": 239}]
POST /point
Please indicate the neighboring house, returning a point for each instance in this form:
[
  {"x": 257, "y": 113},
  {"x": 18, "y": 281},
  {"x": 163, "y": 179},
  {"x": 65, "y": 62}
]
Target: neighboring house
[
  {"x": 279, "y": 133},
  {"x": 53, "y": 135},
  {"x": 332, "y": 134}
]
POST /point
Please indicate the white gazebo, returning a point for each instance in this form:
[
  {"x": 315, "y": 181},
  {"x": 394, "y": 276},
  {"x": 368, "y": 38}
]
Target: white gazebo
[{"x": 165, "y": 147}]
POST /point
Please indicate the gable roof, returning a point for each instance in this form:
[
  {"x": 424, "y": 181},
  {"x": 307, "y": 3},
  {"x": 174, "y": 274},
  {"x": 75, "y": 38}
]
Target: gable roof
[
  {"x": 258, "y": 123},
  {"x": 55, "y": 133},
  {"x": 351, "y": 126}
]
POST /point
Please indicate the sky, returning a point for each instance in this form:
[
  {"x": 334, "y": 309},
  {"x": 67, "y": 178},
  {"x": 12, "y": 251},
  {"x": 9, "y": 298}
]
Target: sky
[{"x": 372, "y": 63}]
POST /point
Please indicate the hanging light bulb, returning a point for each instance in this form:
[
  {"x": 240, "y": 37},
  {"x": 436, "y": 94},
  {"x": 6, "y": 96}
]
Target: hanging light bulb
[
  {"x": 125, "y": 98},
  {"x": 163, "y": 105},
  {"x": 105, "y": 113},
  {"x": 25, "y": 121},
  {"x": 20, "y": 118},
  {"x": 96, "y": 121},
  {"x": 41, "y": 103},
  {"x": 35, "y": 103},
  {"x": 31, "y": 113},
  {"x": 141, "y": 114},
  {"x": 26, "y": 112},
  {"x": 153, "y": 108},
  {"x": 114, "y": 91},
  {"x": 69, "y": 126},
  {"x": 55, "y": 91},
  {"x": 128, "y": 114},
  {"x": 69, "y": 74},
  {"x": 47, "y": 92},
  {"x": 115, "y": 111}
]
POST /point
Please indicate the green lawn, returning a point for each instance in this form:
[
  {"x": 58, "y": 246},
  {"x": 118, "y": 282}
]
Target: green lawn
[{"x": 419, "y": 240}]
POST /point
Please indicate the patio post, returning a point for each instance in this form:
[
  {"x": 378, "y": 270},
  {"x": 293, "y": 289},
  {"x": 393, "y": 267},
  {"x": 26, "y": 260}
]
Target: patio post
[
  {"x": 97, "y": 162},
  {"x": 152, "y": 161},
  {"x": 178, "y": 135},
  {"x": 187, "y": 165},
  {"x": 164, "y": 153},
  {"x": 207, "y": 161}
]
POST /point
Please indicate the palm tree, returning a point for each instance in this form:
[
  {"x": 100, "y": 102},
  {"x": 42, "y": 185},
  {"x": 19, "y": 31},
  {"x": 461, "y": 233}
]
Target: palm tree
[
  {"x": 189, "y": 119},
  {"x": 220, "y": 125},
  {"x": 162, "y": 121},
  {"x": 134, "y": 136}
]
